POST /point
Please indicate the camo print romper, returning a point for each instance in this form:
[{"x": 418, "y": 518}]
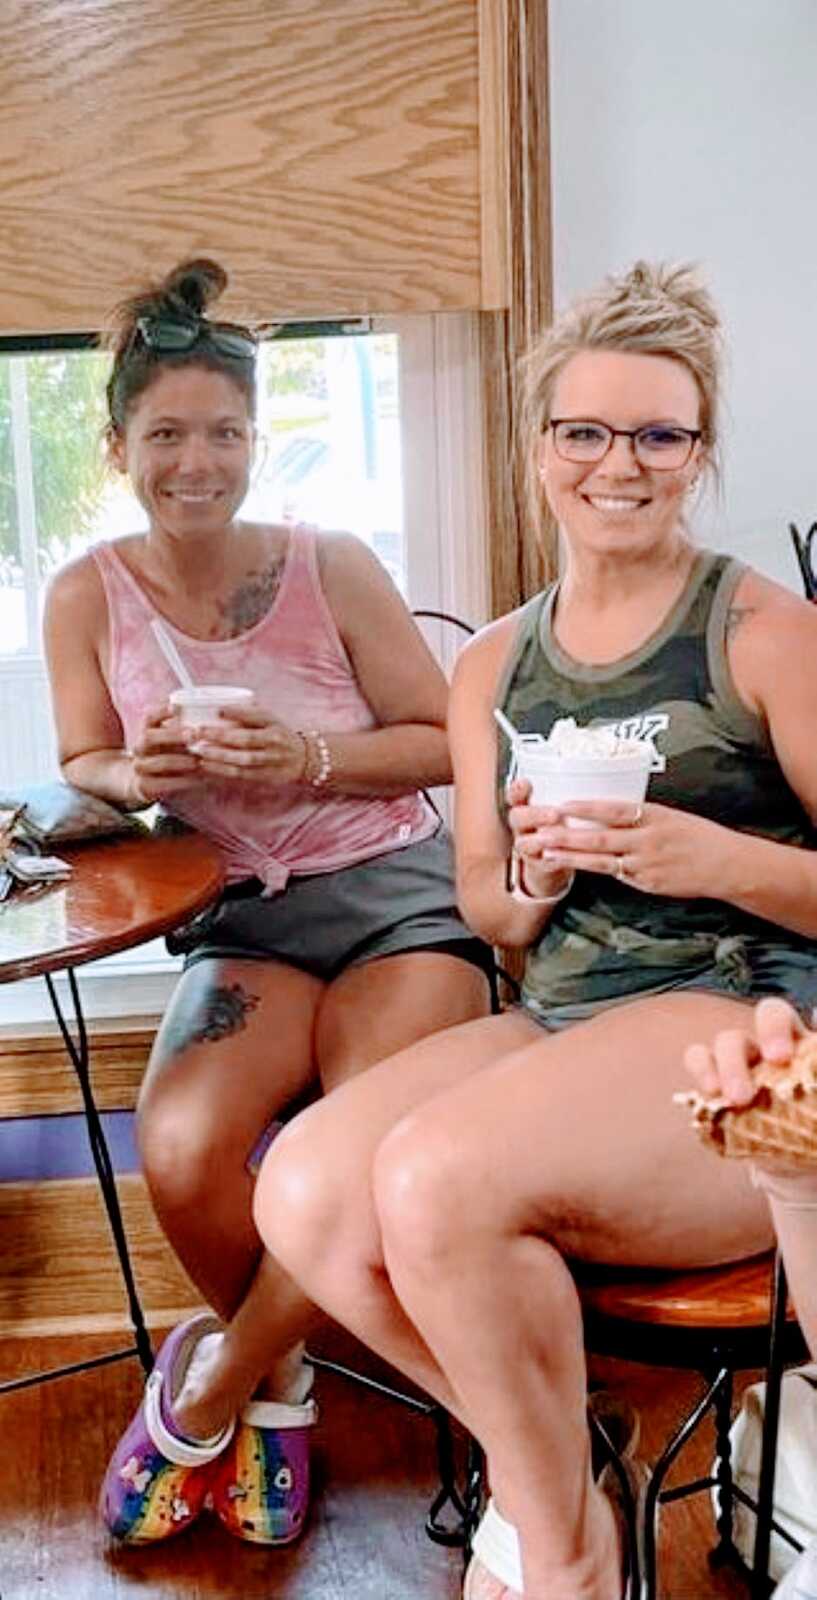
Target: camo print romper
[{"x": 607, "y": 941}]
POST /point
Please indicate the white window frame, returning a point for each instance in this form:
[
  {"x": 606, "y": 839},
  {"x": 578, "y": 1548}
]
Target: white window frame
[{"x": 446, "y": 559}]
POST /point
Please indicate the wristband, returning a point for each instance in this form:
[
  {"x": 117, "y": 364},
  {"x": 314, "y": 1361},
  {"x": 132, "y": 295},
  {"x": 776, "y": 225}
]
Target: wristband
[{"x": 518, "y": 891}]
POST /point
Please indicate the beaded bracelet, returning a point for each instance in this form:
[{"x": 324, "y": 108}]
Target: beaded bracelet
[
  {"x": 324, "y": 768},
  {"x": 517, "y": 890}
]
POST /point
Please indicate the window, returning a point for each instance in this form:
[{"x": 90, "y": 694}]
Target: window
[{"x": 371, "y": 427}]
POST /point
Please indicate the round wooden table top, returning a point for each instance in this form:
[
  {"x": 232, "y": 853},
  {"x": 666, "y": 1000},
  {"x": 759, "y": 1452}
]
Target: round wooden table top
[{"x": 122, "y": 892}]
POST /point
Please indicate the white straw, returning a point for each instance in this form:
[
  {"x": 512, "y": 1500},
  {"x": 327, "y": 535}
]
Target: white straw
[
  {"x": 507, "y": 727},
  {"x": 171, "y": 654}
]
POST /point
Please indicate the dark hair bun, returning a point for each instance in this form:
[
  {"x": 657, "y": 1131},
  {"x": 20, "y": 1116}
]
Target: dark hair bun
[{"x": 192, "y": 286}]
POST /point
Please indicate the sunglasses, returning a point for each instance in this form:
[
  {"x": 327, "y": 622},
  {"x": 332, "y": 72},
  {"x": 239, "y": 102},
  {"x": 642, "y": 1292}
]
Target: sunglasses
[{"x": 172, "y": 335}]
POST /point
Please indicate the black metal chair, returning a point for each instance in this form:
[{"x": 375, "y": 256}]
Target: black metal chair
[
  {"x": 802, "y": 549},
  {"x": 716, "y": 1322}
]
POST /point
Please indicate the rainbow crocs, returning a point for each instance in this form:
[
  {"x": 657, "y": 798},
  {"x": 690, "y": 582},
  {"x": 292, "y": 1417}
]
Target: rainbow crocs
[
  {"x": 156, "y": 1484},
  {"x": 260, "y": 1487}
]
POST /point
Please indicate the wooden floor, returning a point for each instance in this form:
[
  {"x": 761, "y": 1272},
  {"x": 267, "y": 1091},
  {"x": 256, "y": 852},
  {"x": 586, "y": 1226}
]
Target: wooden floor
[{"x": 375, "y": 1470}]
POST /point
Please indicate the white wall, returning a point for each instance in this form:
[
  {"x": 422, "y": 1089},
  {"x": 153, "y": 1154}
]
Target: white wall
[{"x": 689, "y": 131}]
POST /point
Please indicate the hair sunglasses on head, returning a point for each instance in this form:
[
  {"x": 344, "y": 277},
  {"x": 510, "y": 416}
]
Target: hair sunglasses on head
[{"x": 166, "y": 335}]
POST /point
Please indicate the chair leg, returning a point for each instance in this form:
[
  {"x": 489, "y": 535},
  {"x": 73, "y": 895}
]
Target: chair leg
[
  {"x": 724, "y": 1516},
  {"x": 448, "y": 1494},
  {"x": 607, "y": 1455},
  {"x": 771, "y": 1417},
  {"x": 653, "y": 1495}
]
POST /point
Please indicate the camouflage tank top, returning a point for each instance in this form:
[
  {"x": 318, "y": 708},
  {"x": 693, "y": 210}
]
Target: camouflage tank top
[{"x": 607, "y": 941}]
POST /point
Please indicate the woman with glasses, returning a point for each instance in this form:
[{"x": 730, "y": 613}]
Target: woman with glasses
[
  {"x": 549, "y": 1131},
  {"x": 337, "y": 941}
]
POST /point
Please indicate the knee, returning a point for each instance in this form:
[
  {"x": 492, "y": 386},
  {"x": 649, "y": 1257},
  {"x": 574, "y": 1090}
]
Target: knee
[
  {"x": 184, "y": 1150},
  {"x": 303, "y": 1198},
  {"x": 426, "y": 1194}
]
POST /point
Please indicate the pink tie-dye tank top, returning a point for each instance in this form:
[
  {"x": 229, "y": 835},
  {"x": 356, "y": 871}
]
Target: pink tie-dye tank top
[{"x": 295, "y": 661}]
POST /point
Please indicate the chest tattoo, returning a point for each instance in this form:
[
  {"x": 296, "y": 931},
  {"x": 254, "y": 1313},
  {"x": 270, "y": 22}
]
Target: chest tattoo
[{"x": 249, "y": 602}]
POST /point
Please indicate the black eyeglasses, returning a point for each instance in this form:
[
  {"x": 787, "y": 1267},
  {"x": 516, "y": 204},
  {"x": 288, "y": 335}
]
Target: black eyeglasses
[
  {"x": 658, "y": 445},
  {"x": 170, "y": 335}
]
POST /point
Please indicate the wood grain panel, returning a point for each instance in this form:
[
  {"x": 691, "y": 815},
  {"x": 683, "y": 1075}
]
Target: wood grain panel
[
  {"x": 493, "y": 151},
  {"x": 58, "y": 1267},
  {"x": 327, "y": 153},
  {"x": 521, "y": 561},
  {"x": 37, "y": 1079}
]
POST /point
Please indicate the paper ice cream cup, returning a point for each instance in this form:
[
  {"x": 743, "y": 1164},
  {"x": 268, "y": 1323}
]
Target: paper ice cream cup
[
  {"x": 555, "y": 779},
  {"x": 203, "y": 702}
]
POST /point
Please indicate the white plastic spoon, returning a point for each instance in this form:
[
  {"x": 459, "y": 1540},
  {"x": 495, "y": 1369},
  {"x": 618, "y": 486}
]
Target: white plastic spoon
[
  {"x": 508, "y": 728},
  {"x": 171, "y": 654}
]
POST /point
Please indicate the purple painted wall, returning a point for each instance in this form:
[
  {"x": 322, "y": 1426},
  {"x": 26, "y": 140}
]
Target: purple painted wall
[{"x": 57, "y": 1147}]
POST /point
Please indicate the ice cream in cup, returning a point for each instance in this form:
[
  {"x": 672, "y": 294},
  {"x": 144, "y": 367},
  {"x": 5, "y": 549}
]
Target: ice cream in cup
[
  {"x": 583, "y": 764},
  {"x": 200, "y": 703}
]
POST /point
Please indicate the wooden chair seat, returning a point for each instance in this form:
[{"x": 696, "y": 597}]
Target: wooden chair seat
[{"x": 729, "y": 1297}]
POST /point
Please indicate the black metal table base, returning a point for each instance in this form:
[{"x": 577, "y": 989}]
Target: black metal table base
[{"x": 79, "y": 1055}]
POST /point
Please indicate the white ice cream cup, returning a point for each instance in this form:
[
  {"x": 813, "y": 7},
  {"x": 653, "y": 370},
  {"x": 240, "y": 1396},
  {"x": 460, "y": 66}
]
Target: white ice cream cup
[
  {"x": 555, "y": 779},
  {"x": 202, "y": 702}
]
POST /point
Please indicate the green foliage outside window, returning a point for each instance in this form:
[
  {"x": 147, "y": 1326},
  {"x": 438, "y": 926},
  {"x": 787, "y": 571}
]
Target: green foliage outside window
[{"x": 66, "y": 421}]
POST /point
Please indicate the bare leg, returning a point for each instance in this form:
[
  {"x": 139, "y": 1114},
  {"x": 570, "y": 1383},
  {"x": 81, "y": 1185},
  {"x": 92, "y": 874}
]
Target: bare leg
[
  {"x": 214, "y": 1084},
  {"x": 793, "y": 1202},
  {"x": 367, "y": 1012},
  {"x": 219, "y": 1073},
  {"x": 569, "y": 1144},
  {"x": 586, "y": 1156},
  {"x": 314, "y": 1203}
]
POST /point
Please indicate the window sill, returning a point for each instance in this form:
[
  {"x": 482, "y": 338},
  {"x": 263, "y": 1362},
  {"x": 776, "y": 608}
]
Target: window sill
[{"x": 136, "y": 983}]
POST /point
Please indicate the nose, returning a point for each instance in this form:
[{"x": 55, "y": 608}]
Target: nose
[
  {"x": 621, "y": 460},
  {"x": 194, "y": 453}
]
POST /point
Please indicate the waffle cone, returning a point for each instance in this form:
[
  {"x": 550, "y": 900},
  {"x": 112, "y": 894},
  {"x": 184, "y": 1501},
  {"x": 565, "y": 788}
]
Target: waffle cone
[{"x": 780, "y": 1121}]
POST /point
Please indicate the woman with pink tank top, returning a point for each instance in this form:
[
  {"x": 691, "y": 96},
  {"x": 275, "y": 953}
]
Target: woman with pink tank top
[{"x": 337, "y": 941}]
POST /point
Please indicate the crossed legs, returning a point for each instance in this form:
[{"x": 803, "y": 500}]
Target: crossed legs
[
  {"x": 240, "y": 1040},
  {"x": 521, "y": 1148}
]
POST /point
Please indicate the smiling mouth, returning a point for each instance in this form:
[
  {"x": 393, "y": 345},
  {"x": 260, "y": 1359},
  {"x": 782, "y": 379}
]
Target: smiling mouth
[
  {"x": 189, "y": 498},
  {"x": 614, "y": 505}
]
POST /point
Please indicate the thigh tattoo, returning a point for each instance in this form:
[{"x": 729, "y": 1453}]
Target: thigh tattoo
[{"x": 209, "y": 1015}]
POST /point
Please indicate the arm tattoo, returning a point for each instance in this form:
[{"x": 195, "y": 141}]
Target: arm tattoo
[
  {"x": 209, "y": 1015},
  {"x": 249, "y": 602},
  {"x": 735, "y": 616}
]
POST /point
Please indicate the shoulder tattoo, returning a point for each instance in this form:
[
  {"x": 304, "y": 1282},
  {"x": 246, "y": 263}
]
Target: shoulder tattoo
[
  {"x": 249, "y": 602},
  {"x": 735, "y": 616}
]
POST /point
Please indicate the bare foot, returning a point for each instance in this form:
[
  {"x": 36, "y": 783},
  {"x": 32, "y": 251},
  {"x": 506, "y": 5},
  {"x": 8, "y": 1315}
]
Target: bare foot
[{"x": 480, "y": 1584}]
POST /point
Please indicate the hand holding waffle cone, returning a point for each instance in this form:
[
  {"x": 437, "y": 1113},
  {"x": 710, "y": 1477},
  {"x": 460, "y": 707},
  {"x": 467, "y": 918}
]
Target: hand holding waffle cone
[{"x": 757, "y": 1097}]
